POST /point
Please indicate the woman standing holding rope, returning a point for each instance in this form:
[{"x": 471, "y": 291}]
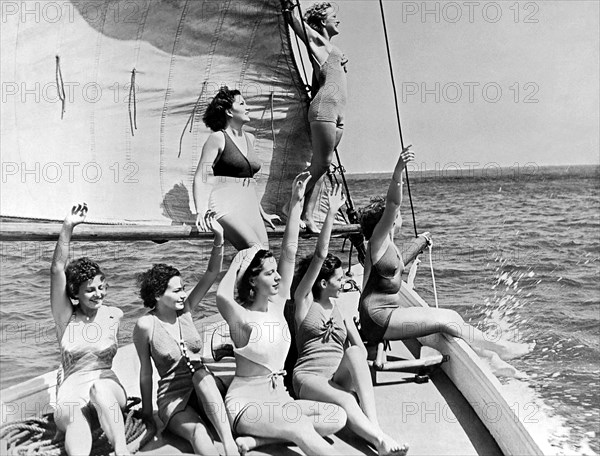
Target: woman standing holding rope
[
  {"x": 326, "y": 112},
  {"x": 87, "y": 334}
]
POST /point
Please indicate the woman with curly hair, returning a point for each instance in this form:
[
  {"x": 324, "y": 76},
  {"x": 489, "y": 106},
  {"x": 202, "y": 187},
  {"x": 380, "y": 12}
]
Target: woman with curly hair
[
  {"x": 87, "y": 335},
  {"x": 382, "y": 313},
  {"x": 224, "y": 181},
  {"x": 167, "y": 336},
  {"x": 326, "y": 112},
  {"x": 332, "y": 359},
  {"x": 257, "y": 401}
]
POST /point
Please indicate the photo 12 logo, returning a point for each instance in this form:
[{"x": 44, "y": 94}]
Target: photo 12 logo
[{"x": 470, "y": 12}]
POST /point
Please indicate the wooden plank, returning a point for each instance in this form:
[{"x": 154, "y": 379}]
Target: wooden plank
[{"x": 89, "y": 232}]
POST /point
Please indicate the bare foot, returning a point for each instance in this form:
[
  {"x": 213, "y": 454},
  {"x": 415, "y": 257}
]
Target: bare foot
[
  {"x": 512, "y": 350},
  {"x": 389, "y": 447},
  {"x": 311, "y": 227},
  {"x": 248, "y": 443}
]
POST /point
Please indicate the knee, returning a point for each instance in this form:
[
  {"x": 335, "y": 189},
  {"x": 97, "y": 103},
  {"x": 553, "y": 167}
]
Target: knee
[
  {"x": 452, "y": 323},
  {"x": 356, "y": 353}
]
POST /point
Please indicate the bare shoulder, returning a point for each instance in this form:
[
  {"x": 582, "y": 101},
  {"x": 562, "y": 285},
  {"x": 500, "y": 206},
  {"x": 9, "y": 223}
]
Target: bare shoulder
[{"x": 144, "y": 324}]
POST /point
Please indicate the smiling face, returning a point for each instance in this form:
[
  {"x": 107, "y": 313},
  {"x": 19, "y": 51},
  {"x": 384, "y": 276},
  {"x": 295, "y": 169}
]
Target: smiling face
[
  {"x": 267, "y": 281},
  {"x": 331, "y": 22},
  {"x": 91, "y": 292},
  {"x": 174, "y": 296},
  {"x": 239, "y": 112},
  {"x": 332, "y": 287}
]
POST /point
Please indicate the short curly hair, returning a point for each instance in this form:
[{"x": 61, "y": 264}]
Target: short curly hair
[
  {"x": 80, "y": 271},
  {"x": 154, "y": 282},
  {"x": 215, "y": 116},
  {"x": 328, "y": 268},
  {"x": 370, "y": 215},
  {"x": 244, "y": 286},
  {"x": 316, "y": 13}
]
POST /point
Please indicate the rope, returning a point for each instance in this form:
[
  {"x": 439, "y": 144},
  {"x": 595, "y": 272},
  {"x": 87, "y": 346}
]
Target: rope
[
  {"x": 190, "y": 120},
  {"x": 132, "y": 118},
  {"x": 430, "y": 244},
  {"x": 60, "y": 87},
  {"x": 387, "y": 45},
  {"x": 38, "y": 436}
]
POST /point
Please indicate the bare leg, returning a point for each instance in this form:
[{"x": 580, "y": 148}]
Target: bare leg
[
  {"x": 210, "y": 397},
  {"x": 284, "y": 422},
  {"x": 327, "y": 418},
  {"x": 247, "y": 443},
  {"x": 108, "y": 398},
  {"x": 321, "y": 389},
  {"x": 406, "y": 323},
  {"x": 78, "y": 435},
  {"x": 240, "y": 233},
  {"x": 324, "y": 136},
  {"x": 188, "y": 425}
]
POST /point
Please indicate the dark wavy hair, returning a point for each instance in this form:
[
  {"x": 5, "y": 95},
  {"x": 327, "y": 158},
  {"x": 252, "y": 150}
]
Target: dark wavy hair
[
  {"x": 154, "y": 282},
  {"x": 253, "y": 270},
  {"x": 328, "y": 268},
  {"x": 80, "y": 271},
  {"x": 370, "y": 215},
  {"x": 316, "y": 13},
  {"x": 215, "y": 116}
]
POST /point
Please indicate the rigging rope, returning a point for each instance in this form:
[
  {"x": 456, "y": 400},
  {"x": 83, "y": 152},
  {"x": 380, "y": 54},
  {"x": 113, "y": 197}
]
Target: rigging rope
[
  {"x": 387, "y": 45},
  {"x": 432, "y": 274},
  {"x": 132, "y": 98},
  {"x": 60, "y": 87}
]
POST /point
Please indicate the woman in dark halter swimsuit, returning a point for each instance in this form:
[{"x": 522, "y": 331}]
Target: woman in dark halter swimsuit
[
  {"x": 382, "y": 313},
  {"x": 224, "y": 182},
  {"x": 326, "y": 112}
]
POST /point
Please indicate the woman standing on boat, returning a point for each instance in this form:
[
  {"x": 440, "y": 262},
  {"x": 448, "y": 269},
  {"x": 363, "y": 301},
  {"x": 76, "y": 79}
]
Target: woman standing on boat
[
  {"x": 332, "y": 361},
  {"x": 382, "y": 313},
  {"x": 258, "y": 403},
  {"x": 87, "y": 336},
  {"x": 326, "y": 112},
  {"x": 167, "y": 335},
  {"x": 224, "y": 181}
]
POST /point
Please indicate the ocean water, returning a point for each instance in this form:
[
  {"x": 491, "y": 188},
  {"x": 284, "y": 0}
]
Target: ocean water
[{"x": 516, "y": 253}]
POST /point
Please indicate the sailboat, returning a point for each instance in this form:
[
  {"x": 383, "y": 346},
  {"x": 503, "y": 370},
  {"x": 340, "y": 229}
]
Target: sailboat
[{"x": 104, "y": 100}]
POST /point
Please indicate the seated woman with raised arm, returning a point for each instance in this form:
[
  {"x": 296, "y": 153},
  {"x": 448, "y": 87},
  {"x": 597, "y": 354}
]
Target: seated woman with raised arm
[
  {"x": 258, "y": 404},
  {"x": 77, "y": 293},
  {"x": 382, "y": 313},
  {"x": 168, "y": 336},
  {"x": 332, "y": 360}
]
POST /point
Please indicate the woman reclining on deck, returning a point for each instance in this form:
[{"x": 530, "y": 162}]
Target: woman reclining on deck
[
  {"x": 258, "y": 404},
  {"x": 77, "y": 293},
  {"x": 167, "y": 335},
  {"x": 328, "y": 369},
  {"x": 382, "y": 313}
]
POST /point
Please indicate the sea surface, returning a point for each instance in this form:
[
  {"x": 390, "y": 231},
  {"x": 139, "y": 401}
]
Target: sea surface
[{"x": 516, "y": 252}]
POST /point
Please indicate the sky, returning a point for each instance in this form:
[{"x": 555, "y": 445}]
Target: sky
[{"x": 479, "y": 84}]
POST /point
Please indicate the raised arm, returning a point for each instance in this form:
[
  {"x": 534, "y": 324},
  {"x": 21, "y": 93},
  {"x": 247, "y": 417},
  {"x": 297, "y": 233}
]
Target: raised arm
[
  {"x": 303, "y": 291},
  {"x": 289, "y": 243},
  {"x": 310, "y": 37},
  {"x": 204, "y": 178},
  {"x": 215, "y": 264},
  {"x": 393, "y": 200},
  {"x": 141, "y": 340},
  {"x": 60, "y": 303},
  {"x": 233, "y": 313}
]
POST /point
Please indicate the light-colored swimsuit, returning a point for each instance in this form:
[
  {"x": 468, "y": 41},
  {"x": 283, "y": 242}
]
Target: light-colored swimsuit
[
  {"x": 268, "y": 347},
  {"x": 329, "y": 103},
  {"x": 380, "y": 296},
  {"x": 320, "y": 339},
  {"x": 87, "y": 350},
  {"x": 234, "y": 190},
  {"x": 175, "y": 387}
]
